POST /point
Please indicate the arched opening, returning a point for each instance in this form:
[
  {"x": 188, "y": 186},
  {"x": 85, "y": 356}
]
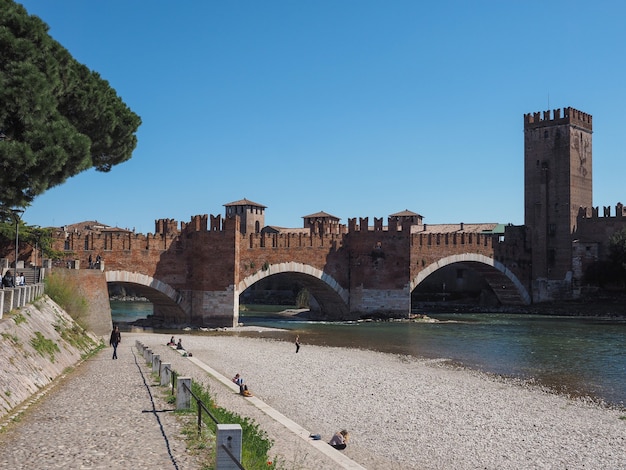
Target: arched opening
[
  {"x": 292, "y": 290},
  {"x": 140, "y": 299},
  {"x": 466, "y": 282}
]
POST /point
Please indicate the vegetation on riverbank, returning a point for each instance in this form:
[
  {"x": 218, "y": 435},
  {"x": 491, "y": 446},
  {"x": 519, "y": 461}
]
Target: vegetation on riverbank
[
  {"x": 64, "y": 293},
  {"x": 255, "y": 442}
]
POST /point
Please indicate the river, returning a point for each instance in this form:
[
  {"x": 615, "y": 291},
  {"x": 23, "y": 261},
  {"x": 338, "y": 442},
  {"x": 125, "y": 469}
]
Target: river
[{"x": 573, "y": 355}]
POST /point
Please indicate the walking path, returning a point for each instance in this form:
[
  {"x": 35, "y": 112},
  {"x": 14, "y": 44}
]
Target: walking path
[
  {"x": 108, "y": 414},
  {"x": 103, "y": 415}
]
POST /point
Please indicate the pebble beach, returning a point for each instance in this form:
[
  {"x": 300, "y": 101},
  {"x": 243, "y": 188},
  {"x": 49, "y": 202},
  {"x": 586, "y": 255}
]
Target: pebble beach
[{"x": 403, "y": 412}]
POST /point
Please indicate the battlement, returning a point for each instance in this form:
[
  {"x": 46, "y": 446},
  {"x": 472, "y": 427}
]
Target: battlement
[
  {"x": 393, "y": 225},
  {"x": 547, "y": 118},
  {"x": 163, "y": 226},
  {"x": 294, "y": 240},
  {"x": 594, "y": 212}
]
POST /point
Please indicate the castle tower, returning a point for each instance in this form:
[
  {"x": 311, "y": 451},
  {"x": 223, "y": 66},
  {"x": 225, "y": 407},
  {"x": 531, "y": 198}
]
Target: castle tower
[
  {"x": 251, "y": 215},
  {"x": 557, "y": 182}
]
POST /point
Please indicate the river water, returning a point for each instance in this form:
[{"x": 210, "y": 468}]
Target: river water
[{"x": 574, "y": 355}]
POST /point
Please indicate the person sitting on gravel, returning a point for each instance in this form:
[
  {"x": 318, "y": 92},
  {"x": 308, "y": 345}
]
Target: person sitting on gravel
[
  {"x": 172, "y": 342},
  {"x": 180, "y": 344},
  {"x": 340, "y": 440},
  {"x": 237, "y": 379}
]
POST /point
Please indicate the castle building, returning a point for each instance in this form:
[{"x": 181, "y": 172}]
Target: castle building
[
  {"x": 251, "y": 215},
  {"x": 557, "y": 184}
]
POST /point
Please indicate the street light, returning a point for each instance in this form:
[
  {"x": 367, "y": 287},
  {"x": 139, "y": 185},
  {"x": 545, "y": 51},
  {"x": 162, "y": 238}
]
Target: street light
[
  {"x": 37, "y": 234},
  {"x": 16, "y": 214}
]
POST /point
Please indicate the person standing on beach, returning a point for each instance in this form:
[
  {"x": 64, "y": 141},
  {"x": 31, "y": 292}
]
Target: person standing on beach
[
  {"x": 116, "y": 338},
  {"x": 297, "y": 343}
]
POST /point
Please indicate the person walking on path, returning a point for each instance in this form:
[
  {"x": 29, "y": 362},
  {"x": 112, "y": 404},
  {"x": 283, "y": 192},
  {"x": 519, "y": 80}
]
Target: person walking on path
[
  {"x": 116, "y": 338},
  {"x": 297, "y": 343}
]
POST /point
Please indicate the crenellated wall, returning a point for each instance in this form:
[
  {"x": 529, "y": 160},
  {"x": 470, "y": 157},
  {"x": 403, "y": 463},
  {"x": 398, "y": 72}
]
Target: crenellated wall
[
  {"x": 597, "y": 228},
  {"x": 207, "y": 259}
]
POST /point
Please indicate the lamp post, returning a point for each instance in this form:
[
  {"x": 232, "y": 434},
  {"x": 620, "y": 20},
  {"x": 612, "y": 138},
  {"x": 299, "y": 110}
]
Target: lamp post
[{"x": 16, "y": 214}]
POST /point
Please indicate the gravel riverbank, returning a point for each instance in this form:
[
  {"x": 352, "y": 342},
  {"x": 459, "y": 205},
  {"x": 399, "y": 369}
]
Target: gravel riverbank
[{"x": 404, "y": 412}]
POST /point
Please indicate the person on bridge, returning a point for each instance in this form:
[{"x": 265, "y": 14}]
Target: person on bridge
[{"x": 116, "y": 338}]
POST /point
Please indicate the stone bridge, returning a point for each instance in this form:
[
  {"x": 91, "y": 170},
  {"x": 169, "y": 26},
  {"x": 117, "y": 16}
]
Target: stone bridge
[{"x": 195, "y": 275}]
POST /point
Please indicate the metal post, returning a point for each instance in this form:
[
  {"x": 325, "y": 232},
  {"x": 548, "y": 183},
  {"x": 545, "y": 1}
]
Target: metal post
[{"x": 16, "y": 214}]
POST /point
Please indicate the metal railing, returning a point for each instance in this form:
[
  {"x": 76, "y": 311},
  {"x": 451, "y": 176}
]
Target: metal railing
[
  {"x": 158, "y": 366},
  {"x": 201, "y": 407}
]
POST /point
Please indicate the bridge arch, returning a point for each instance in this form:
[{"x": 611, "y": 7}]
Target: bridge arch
[
  {"x": 126, "y": 277},
  {"x": 506, "y": 286},
  {"x": 331, "y": 297}
]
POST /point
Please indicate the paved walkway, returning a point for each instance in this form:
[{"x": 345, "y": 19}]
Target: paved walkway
[{"x": 106, "y": 414}]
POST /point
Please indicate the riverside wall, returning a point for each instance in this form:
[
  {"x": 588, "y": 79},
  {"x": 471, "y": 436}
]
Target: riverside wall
[{"x": 38, "y": 343}]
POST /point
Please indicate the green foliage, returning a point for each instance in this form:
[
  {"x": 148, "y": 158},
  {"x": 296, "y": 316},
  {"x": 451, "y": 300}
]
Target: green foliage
[
  {"x": 57, "y": 118},
  {"x": 19, "y": 318},
  {"x": 64, "y": 292},
  {"x": 77, "y": 337},
  {"x": 610, "y": 272},
  {"x": 44, "y": 346},
  {"x": 256, "y": 444},
  {"x": 617, "y": 251},
  {"x": 13, "y": 338},
  {"x": 302, "y": 299}
]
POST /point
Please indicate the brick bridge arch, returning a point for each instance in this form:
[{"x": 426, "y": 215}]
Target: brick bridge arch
[
  {"x": 506, "y": 286},
  {"x": 166, "y": 301},
  {"x": 331, "y": 297}
]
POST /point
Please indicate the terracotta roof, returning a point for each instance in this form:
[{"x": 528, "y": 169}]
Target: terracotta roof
[
  {"x": 87, "y": 225},
  {"x": 451, "y": 228},
  {"x": 320, "y": 215},
  {"x": 275, "y": 229},
  {"x": 405, "y": 213},
  {"x": 91, "y": 226},
  {"x": 245, "y": 202}
]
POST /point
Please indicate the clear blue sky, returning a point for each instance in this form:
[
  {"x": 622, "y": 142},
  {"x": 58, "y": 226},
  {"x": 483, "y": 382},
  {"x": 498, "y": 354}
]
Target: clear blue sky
[{"x": 357, "y": 108}]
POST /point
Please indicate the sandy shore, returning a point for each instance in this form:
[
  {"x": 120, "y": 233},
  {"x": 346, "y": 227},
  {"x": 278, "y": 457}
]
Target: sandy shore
[{"x": 404, "y": 412}]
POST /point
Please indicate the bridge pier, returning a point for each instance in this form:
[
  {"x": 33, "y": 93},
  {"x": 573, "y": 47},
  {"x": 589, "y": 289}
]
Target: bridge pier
[
  {"x": 212, "y": 308},
  {"x": 394, "y": 302}
]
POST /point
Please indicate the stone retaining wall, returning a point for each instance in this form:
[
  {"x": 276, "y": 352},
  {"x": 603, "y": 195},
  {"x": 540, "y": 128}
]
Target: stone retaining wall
[{"x": 37, "y": 343}]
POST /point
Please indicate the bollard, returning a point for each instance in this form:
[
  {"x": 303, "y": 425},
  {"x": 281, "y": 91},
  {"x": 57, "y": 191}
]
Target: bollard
[
  {"x": 166, "y": 373},
  {"x": 183, "y": 393},
  {"x": 156, "y": 361},
  {"x": 229, "y": 436},
  {"x": 147, "y": 355}
]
